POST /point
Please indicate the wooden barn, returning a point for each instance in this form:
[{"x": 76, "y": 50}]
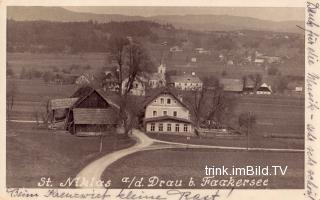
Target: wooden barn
[{"x": 91, "y": 114}]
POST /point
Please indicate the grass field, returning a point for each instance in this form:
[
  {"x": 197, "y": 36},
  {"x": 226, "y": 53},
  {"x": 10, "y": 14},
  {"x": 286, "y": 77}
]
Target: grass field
[
  {"x": 182, "y": 164},
  {"x": 33, "y": 153},
  {"x": 236, "y": 141},
  {"x": 45, "y": 62}
]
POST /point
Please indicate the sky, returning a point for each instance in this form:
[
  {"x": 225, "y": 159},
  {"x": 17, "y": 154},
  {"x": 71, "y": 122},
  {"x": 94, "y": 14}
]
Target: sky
[{"x": 269, "y": 13}]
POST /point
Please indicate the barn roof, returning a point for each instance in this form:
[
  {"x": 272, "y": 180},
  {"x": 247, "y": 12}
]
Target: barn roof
[
  {"x": 167, "y": 118},
  {"x": 62, "y": 103},
  {"x": 85, "y": 91},
  {"x": 95, "y": 116},
  {"x": 232, "y": 85}
]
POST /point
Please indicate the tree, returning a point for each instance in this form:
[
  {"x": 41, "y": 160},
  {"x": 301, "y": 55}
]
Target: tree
[
  {"x": 132, "y": 59},
  {"x": 11, "y": 94},
  {"x": 257, "y": 80},
  {"x": 247, "y": 120},
  {"x": 220, "y": 106}
]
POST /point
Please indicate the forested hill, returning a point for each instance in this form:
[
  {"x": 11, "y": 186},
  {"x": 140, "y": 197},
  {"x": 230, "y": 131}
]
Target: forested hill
[
  {"x": 191, "y": 22},
  {"x": 74, "y": 37}
]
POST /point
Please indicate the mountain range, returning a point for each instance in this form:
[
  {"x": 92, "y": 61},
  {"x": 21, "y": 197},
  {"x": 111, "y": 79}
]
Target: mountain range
[{"x": 191, "y": 22}]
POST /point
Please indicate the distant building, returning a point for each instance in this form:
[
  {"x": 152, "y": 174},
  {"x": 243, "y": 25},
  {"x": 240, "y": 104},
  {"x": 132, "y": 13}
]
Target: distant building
[
  {"x": 264, "y": 89},
  {"x": 166, "y": 113},
  {"x": 194, "y": 59},
  {"x": 232, "y": 85},
  {"x": 259, "y": 61},
  {"x": 248, "y": 86},
  {"x": 176, "y": 49},
  {"x": 138, "y": 87},
  {"x": 202, "y": 51},
  {"x": 186, "y": 82},
  {"x": 85, "y": 78},
  {"x": 158, "y": 79},
  {"x": 110, "y": 82}
]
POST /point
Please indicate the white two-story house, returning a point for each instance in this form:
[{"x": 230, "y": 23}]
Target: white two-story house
[{"x": 166, "y": 113}]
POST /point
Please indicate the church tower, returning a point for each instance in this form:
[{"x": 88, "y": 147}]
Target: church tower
[{"x": 162, "y": 69}]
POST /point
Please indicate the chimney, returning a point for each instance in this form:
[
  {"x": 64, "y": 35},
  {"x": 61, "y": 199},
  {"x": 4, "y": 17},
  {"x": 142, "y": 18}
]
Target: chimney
[{"x": 180, "y": 97}]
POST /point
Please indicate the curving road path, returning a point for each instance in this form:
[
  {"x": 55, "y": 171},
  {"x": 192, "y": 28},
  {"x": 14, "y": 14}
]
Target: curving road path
[{"x": 94, "y": 170}]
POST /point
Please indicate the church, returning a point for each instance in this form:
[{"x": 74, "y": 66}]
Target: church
[{"x": 158, "y": 79}]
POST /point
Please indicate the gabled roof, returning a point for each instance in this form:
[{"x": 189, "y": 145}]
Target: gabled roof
[
  {"x": 165, "y": 91},
  {"x": 166, "y": 118},
  {"x": 95, "y": 116},
  {"x": 232, "y": 85},
  {"x": 85, "y": 91},
  {"x": 62, "y": 103},
  {"x": 186, "y": 78},
  {"x": 265, "y": 88}
]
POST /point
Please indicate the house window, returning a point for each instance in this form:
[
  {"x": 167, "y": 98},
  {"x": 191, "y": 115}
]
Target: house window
[
  {"x": 169, "y": 127},
  {"x": 175, "y": 113},
  {"x": 162, "y": 101},
  {"x": 154, "y": 113},
  {"x": 165, "y": 113},
  {"x": 177, "y": 127},
  {"x": 161, "y": 127},
  {"x": 168, "y": 101},
  {"x": 185, "y": 127},
  {"x": 153, "y": 127}
]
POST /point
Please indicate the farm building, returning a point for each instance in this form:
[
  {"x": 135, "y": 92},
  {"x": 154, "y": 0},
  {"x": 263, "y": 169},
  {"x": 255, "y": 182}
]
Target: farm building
[
  {"x": 59, "y": 108},
  {"x": 248, "y": 86},
  {"x": 166, "y": 113},
  {"x": 91, "y": 114},
  {"x": 232, "y": 85},
  {"x": 264, "y": 89},
  {"x": 186, "y": 82}
]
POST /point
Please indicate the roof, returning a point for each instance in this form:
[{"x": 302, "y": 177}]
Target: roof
[
  {"x": 165, "y": 91},
  {"x": 264, "y": 87},
  {"x": 62, "y": 103},
  {"x": 84, "y": 91},
  {"x": 165, "y": 118},
  {"x": 94, "y": 116},
  {"x": 186, "y": 78},
  {"x": 232, "y": 85}
]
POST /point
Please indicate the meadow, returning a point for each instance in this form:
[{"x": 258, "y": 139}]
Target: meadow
[{"x": 176, "y": 164}]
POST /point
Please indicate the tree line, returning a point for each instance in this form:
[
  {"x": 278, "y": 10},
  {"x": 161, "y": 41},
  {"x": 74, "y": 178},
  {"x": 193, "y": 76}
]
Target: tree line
[{"x": 73, "y": 37}]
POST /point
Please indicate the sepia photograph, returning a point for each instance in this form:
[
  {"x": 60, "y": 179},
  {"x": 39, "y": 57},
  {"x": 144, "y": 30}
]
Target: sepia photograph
[{"x": 155, "y": 97}]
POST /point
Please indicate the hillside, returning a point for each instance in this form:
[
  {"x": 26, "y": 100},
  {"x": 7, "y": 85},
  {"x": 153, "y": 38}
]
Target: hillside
[{"x": 192, "y": 22}]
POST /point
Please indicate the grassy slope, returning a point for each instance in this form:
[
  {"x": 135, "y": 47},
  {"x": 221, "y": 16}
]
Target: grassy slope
[
  {"x": 33, "y": 153},
  {"x": 182, "y": 164}
]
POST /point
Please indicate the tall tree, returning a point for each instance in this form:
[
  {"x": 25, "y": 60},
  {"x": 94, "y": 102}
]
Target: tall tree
[{"x": 132, "y": 60}]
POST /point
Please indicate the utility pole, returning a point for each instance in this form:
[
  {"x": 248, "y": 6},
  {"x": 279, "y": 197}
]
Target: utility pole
[{"x": 248, "y": 129}]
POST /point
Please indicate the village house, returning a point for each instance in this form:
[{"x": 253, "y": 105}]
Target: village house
[
  {"x": 166, "y": 113},
  {"x": 186, "y": 82},
  {"x": 158, "y": 79},
  {"x": 264, "y": 89},
  {"x": 138, "y": 88},
  {"x": 110, "y": 82},
  {"x": 232, "y": 85},
  {"x": 91, "y": 114},
  {"x": 85, "y": 78}
]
